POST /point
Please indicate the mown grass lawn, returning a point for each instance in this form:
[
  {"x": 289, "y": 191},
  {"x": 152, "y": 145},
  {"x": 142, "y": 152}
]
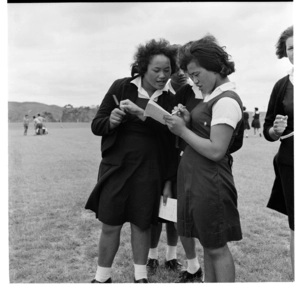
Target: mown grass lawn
[{"x": 53, "y": 239}]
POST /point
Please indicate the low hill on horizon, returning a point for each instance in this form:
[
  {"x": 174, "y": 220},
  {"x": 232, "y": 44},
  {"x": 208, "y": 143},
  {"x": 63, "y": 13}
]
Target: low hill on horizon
[{"x": 52, "y": 113}]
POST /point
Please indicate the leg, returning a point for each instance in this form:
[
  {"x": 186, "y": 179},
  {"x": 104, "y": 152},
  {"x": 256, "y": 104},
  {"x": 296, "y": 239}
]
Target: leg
[
  {"x": 108, "y": 244},
  {"x": 153, "y": 263},
  {"x": 189, "y": 247},
  {"x": 172, "y": 236},
  {"x": 292, "y": 246},
  {"x": 140, "y": 242},
  {"x": 221, "y": 261},
  {"x": 155, "y": 235},
  {"x": 210, "y": 276}
]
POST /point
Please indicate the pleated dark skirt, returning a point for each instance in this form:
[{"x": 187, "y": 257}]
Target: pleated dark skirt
[{"x": 129, "y": 190}]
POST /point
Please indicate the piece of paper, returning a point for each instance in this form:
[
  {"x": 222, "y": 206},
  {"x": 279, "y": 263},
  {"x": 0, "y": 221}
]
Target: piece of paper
[
  {"x": 156, "y": 112},
  {"x": 168, "y": 212}
]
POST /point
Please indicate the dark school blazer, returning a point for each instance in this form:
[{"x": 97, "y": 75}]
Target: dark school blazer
[{"x": 123, "y": 89}]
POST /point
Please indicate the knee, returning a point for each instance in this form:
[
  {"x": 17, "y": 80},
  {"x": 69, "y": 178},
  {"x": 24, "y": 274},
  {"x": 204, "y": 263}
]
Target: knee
[
  {"x": 216, "y": 253},
  {"x": 109, "y": 230}
]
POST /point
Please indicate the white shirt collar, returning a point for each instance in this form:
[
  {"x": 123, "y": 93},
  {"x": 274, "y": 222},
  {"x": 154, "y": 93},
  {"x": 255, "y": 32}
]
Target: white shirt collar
[
  {"x": 291, "y": 73},
  {"x": 222, "y": 88},
  {"x": 142, "y": 93},
  {"x": 170, "y": 87},
  {"x": 195, "y": 88}
]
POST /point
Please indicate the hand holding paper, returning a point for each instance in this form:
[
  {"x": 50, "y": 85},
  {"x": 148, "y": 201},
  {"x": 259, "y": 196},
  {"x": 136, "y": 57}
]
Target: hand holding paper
[{"x": 156, "y": 112}]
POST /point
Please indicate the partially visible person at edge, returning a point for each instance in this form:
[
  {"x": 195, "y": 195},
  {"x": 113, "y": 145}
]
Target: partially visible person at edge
[
  {"x": 207, "y": 197},
  {"x": 256, "y": 122},
  {"x": 279, "y": 125},
  {"x": 190, "y": 96},
  {"x": 246, "y": 121},
  {"x": 134, "y": 169},
  {"x": 25, "y": 124},
  {"x": 177, "y": 80}
]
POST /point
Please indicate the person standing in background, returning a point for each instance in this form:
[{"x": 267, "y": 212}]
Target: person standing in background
[
  {"x": 255, "y": 122},
  {"x": 246, "y": 120},
  {"x": 177, "y": 80},
  {"x": 25, "y": 124},
  {"x": 279, "y": 125}
]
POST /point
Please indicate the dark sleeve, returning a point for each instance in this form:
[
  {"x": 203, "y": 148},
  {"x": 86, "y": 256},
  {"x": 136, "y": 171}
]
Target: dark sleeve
[
  {"x": 271, "y": 112},
  {"x": 100, "y": 124}
]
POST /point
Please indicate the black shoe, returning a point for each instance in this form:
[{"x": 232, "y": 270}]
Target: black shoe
[
  {"x": 107, "y": 281},
  {"x": 144, "y": 280},
  {"x": 185, "y": 277},
  {"x": 174, "y": 265},
  {"x": 152, "y": 266}
]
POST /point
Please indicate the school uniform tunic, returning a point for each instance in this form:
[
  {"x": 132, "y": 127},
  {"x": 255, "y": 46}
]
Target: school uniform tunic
[
  {"x": 207, "y": 197},
  {"x": 133, "y": 168}
]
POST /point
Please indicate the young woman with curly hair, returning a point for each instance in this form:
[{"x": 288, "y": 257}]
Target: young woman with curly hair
[{"x": 135, "y": 150}]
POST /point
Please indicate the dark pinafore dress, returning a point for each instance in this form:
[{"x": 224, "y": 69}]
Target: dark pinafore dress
[{"x": 207, "y": 197}]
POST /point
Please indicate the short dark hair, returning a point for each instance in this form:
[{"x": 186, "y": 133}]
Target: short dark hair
[
  {"x": 207, "y": 53},
  {"x": 33, "y": 117},
  {"x": 38, "y": 115},
  {"x": 280, "y": 45},
  {"x": 145, "y": 53}
]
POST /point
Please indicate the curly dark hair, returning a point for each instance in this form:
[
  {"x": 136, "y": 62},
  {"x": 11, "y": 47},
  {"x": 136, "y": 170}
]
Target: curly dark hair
[
  {"x": 145, "y": 53},
  {"x": 207, "y": 53},
  {"x": 280, "y": 45}
]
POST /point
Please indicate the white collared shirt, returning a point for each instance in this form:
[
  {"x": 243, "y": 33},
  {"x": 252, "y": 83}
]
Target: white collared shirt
[
  {"x": 291, "y": 73},
  {"x": 197, "y": 92},
  {"x": 142, "y": 93},
  {"x": 226, "y": 110}
]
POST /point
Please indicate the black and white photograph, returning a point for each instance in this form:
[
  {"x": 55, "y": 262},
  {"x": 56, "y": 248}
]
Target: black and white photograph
[{"x": 148, "y": 142}]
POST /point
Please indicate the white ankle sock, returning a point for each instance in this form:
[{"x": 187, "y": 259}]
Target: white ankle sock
[
  {"x": 153, "y": 253},
  {"x": 171, "y": 253},
  {"x": 140, "y": 272},
  {"x": 193, "y": 265},
  {"x": 103, "y": 273}
]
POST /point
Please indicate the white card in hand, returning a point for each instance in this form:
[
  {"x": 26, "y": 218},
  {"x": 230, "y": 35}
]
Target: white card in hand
[
  {"x": 156, "y": 112},
  {"x": 168, "y": 212}
]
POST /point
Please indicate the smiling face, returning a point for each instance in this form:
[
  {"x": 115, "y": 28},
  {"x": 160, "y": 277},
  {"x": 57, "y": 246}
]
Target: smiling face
[
  {"x": 158, "y": 73},
  {"x": 289, "y": 43},
  {"x": 204, "y": 79}
]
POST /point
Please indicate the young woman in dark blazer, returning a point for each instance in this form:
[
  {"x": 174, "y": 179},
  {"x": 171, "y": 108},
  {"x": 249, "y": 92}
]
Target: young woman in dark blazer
[
  {"x": 279, "y": 125},
  {"x": 136, "y": 161}
]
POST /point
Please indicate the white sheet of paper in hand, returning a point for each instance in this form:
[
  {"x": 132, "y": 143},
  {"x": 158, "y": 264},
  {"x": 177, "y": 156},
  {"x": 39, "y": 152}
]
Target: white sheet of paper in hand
[
  {"x": 168, "y": 212},
  {"x": 155, "y": 111}
]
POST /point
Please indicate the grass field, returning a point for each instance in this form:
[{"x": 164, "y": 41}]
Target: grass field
[{"x": 53, "y": 239}]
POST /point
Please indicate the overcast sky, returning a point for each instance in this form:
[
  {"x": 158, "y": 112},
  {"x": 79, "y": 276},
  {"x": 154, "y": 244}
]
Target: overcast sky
[{"x": 70, "y": 53}]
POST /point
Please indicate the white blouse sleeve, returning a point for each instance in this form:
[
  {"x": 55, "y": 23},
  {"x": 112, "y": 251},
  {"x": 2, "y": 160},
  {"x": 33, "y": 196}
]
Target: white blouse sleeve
[{"x": 226, "y": 111}]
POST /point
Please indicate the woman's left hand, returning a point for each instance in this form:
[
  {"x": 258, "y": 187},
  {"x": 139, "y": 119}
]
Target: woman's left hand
[
  {"x": 130, "y": 107},
  {"x": 175, "y": 123}
]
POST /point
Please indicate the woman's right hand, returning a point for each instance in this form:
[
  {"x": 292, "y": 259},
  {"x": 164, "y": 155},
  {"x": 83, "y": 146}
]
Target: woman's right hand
[
  {"x": 116, "y": 117},
  {"x": 280, "y": 124},
  {"x": 183, "y": 113}
]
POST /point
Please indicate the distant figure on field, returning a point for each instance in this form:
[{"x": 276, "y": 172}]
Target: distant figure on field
[
  {"x": 38, "y": 126},
  {"x": 255, "y": 122},
  {"x": 279, "y": 125},
  {"x": 246, "y": 120},
  {"x": 26, "y": 124}
]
